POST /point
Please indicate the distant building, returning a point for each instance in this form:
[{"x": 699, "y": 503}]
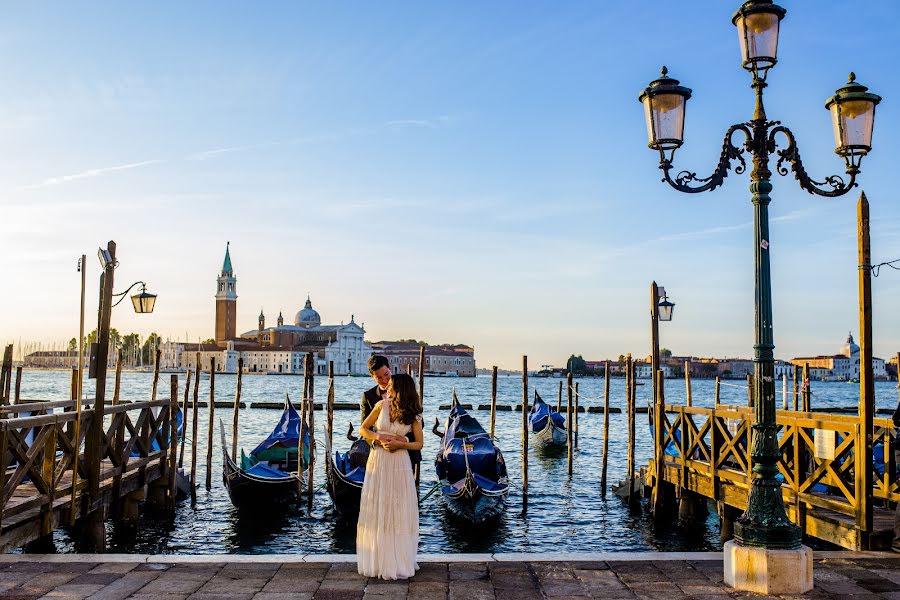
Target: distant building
[
  {"x": 735, "y": 368},
  {"x": 278, "y": 349},
  {"x": 444, "y": 359},
  {"x": 840, "y": 367}
]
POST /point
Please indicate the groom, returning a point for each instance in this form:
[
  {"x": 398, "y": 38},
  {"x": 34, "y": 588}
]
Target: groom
[{"x": 380, "y": 370}]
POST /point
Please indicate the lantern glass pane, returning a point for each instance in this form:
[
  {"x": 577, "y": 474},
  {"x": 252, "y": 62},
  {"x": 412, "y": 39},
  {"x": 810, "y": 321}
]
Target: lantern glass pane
[
  {"x": 853, "y": 121},
  {"x": 665, "y": 310},
  {"x": 667, "y": 112},
  {"x": 758, "y": 35}
]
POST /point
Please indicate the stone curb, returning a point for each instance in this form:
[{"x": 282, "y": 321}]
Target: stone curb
[{"x": 423, "y": 558}]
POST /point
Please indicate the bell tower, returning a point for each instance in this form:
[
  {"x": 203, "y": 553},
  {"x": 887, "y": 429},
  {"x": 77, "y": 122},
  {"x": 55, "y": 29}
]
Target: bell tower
[{"x": 226, "y": 301}]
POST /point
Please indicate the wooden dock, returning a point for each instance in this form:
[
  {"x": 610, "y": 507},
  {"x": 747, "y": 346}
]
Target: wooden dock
[
  {"x": 707, "y": 457},
  {"x": 128, "y": 456}
]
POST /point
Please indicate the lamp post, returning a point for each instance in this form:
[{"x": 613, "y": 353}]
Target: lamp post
[
  {"x": 660, "y": 310},
  {"x": 764, "y": 524}
]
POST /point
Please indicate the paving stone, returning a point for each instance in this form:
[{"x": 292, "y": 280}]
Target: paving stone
[
  {"x": 219, "y": 596},
  {"x": 42, "y": 583},
  {"x": 347, "y": 585},
  {"x": 158, "y": 597},
  {"x": 337, "y": 594},
  {"x": 96, "y": 578},
  {"x": 526, "y": 594},
  {"x": 282, "y": 596},
  {"x": 125, "y": 586},
  {"x": 119, "y": 568},
  {"x": 431, "y": 572},
  {"x": 172, "y": 585},
  {"x": 470, "y": 590},
  {"x": 387, "y": 588},
  {"x": 284, "y": 584},
  {"x": 73, "y": 591}
]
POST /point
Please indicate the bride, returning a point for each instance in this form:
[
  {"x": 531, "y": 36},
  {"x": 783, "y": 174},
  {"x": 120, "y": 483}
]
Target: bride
[{"x": 387, "y": 534}]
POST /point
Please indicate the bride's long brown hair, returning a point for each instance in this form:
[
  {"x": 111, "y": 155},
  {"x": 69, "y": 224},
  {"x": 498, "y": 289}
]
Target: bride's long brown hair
[{"x": 405, "y": 402}]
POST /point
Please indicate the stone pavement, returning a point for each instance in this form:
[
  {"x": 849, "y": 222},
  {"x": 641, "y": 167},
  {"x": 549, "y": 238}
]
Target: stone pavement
[{"x": 864, "y": 575}]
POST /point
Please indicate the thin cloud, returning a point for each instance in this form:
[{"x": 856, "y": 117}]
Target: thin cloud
[
  {"x": 88, "y": 174},
  {"x": 323, "y": 137}
]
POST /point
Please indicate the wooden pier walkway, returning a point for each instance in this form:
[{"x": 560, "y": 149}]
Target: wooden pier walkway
[
  {"x": 129, "y": 456},
  {"x": 831, "y": 486}
]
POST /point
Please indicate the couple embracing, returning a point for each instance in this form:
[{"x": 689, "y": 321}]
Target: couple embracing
[{"x": 387, "y": 533}]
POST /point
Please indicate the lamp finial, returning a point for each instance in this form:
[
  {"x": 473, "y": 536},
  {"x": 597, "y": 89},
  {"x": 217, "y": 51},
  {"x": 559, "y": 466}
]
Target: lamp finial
[{"x": 852, "y": 77}]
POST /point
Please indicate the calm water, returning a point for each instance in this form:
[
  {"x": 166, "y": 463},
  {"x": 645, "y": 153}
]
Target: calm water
[{"x": 563, "y": 515}]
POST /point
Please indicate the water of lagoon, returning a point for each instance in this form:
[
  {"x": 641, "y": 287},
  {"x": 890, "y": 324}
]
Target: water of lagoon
[{"x": 564, "y": 515}]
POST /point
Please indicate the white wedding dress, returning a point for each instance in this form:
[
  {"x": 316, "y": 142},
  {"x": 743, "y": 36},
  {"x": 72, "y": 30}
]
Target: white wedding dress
[{"x": 387, "y": 533}]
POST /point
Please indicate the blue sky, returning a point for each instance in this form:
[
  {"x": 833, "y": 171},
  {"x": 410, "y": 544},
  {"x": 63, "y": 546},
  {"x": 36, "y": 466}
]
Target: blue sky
[{"x": 456, "y": 172}]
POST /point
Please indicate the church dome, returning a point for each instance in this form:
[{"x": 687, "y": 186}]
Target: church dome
[
  {"x": 307, "y": 317},
  {"x": 849, "y": 348}
]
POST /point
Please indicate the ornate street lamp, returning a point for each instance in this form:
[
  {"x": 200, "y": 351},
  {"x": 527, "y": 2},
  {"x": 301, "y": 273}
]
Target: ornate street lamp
[
  {"x": 143, "y": 302},
  {"x": 765, "y": 523}
]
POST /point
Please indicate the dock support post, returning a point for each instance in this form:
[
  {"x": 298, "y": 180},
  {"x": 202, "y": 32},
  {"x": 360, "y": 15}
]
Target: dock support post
[
  {"x": 570, "y": 424},
  {"x": 575, "y": 418},
  {"x": 525, "y": 435},
  {"x": 493, "y": 399},
  {"x": 173, "y": 443},
  {"x": 866, "y": 377},
  {"x": 235, "y": 416},
  {"x": 195, "y": 426},
  {"x": 310, "y": 488},
  {"x": 605, "y": 429},
  {"x": 96, "y": 530},
  {"x": 184, "y": 417},
  {"x": 629, "y": 408},
  {"x": 211, "y": 422},
  {"x": 727, "y": 515}
]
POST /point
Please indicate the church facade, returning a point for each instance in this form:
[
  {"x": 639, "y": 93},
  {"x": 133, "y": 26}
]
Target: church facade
[{"x": 280, "y": 349}]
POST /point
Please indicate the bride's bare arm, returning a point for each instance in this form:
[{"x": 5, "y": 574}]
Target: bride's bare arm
[{"x": 365, "y": 430}]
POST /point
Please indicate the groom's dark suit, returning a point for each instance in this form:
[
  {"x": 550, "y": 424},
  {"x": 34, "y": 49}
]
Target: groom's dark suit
[{"x": 369, "y": 399}]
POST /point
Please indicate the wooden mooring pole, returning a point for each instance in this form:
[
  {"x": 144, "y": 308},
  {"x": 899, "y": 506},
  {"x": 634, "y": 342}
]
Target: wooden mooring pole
[
  {"x": 687, "y": 383},
  {"x": 329, "y": 409},
  {"x": 310, "y": 489},
  {"x": 569, "y": 424},
  {"x": 807, "y": 385},
  {"x": 18, "y": 390},
  {"x": 576, "y": 415},
  {"x": 493, "y": 400},
  {"x": 525, "y": 435},
  {"x": 173, "y": 442},
  {"x": 211, "y": 421},
  {"x": 184, "y": 416},
  {"x": 796, "y": 386},
  {"x": 864, "y": 516},
  {"x": 750, "y": 390},
  {"x": 605, "y": 429},
  {"x": 300, "y": 445},
  {"x": 716, "y": 401},
  {"x": 237, "y": 406},
  {"x": 629, "y": 408},
  {"x": 195, "y": 426},
  {"x": 559, "y": 397},
  {"x": 95, "y": 528}
]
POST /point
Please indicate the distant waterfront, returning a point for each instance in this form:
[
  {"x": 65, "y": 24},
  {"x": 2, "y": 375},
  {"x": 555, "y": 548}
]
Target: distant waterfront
[{"x": 560, "y": 511}]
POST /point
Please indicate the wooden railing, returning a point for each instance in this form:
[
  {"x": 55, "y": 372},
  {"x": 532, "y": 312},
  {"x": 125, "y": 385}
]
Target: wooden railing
[
  {"x": 39, "y": 452},
  {"x": 821, "y": 458}
]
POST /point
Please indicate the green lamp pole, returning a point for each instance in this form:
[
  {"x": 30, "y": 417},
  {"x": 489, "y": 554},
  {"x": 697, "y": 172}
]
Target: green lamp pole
[{"x": 765, "y": 523}]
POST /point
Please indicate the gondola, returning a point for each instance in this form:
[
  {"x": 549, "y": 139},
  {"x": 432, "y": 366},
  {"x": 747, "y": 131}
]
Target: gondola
[
  {"x": 268, "y": 476},
  {"x": 547, "y": 425},
  {"x": 345, "y": 473},
  {"x": 470, "y": 468}
]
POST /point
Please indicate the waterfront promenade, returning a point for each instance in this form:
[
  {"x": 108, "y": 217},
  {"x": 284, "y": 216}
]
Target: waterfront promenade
[{"x": 857, "y": 575}]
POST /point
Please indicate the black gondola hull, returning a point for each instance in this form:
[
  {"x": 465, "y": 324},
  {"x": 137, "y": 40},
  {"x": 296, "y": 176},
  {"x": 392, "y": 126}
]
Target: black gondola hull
[{"x": 345, "y": 494}]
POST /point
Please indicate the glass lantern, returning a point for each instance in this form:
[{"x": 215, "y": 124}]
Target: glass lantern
[
  {"x": 757, "y": 22},
  {"x": 853, "y": 117},
  {"x": 664, "y": 101}
]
